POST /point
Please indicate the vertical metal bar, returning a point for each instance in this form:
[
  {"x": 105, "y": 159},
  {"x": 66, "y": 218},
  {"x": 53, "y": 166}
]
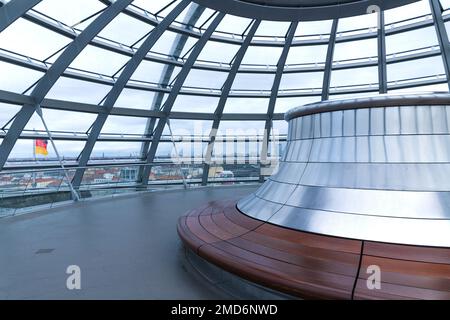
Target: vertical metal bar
[
  {"x": 224, "y": 96},
  {"x": 382, "y": 68},
  {"x": 329, "y": 61},
  {"x": 176, "y": 90},
  {"x": 442, "y": 35}
]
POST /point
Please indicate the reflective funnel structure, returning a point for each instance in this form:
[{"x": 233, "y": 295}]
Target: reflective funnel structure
[{"x": 373, "y": 169}]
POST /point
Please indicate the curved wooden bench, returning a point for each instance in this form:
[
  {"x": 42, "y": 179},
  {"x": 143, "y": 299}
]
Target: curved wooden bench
[{"x": 311, "y": 266}]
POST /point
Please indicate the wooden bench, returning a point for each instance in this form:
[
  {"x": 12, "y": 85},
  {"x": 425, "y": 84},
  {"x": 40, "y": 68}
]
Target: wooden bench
[{"x": 311, "y": 266}]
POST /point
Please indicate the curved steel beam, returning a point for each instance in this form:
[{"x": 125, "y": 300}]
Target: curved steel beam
[
  {"x": 274, "y": 94},
  {"x": 54, "y": 73},
  {"x": 316, "y": 11},
  {"x": 382, "y": 60},
  {"x": 55, "y": 104},
  {"x": 218, "y": 113},
  {"x": 442, "y": 35},
  {"x": 120, "y": 84},
  {"x": 13, "y": 10},
  {"x": 329, "y": 61},
  {"x": 176, "y": 90}
]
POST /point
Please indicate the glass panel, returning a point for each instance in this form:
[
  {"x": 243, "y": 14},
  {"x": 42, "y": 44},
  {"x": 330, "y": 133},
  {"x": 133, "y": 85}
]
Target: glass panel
[
  {"x": 365, "y": 21},
  {"x": 124, "y": 125},
  {"x": 233, "y": 24},
  {"x": 165, "y": 152},
  {"x": 99, "y": 61},
  {"x": 24, "y": 151},
  {"x": 250, "y": 81},
  {"x": 356, "y": 50},
  {"x": 240, "y": 150},
  {"x": 246, "y": 105},
  {"x": 152, "y": 72},
  {"x": 168, "y": 40},
  {"x": 7, "y": 111},
  {"x": 309, "y": 28},
  {"x": 442, "y": 87},
  {"x": 307, "y": 54},
  {"x": 205, "y": 20},
  {"x": 272, "y": 29},
  {"x": 31, "y": 40},
  {"x": 257, "y": 55},
  {"x": 280, "y": 127},
  {"x": 109, "y": 177},
  {"x": 405, "y": 41},
  {"x": 284, "y": 104},
  {"x": 135, "y": 29},
  {"x": 409, "y": 11},
  {"x": 445, "y": 4},
  {"x": 105, "y": 150},
  {"x": 355, "y": 77},
  {"x": 136, "y": 99},
  {"x": 187, "y": 152},
  {"x": 187, "y": 103},
  {"x": 205, "y": 79},
  {"x": 152, "y": 6},
  {"x": 305, "y": 80},
  {"x": 69, "y": 12},
  {"x": 188, "y": 128},
  {"x": 415, "y": 69},
  {"x": 78, "y": 91},
  {"x": 237, "y": 128},
  {"x": 64, "y": 121},
  {"x": 18, "y": 79},
  {"x": 350, "y": 95},
  {"x": 218, "y": 52}
]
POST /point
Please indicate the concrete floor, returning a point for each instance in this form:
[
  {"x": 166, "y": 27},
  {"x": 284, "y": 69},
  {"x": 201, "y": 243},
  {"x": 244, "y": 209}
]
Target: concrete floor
[{"x": 127, "y": 248}]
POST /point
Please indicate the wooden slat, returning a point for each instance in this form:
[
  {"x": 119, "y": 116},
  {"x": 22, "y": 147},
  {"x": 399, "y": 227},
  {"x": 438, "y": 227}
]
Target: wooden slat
[
  {"x": 199, "y": 231},
  {"x": 306, "y": 261},
  {"x": 209, "y": 225},
  {"x": 395, "y": 291},
  {"x": 229, "y": 226},
  {"x": 271, "y": 278},
  {"x": 302, "y": 249},
  {"x": 403, "y": 252},
  {"x": 311, "y": 240}
]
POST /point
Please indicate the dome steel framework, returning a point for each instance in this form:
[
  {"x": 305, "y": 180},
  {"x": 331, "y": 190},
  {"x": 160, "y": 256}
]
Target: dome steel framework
[{"x": 202, "y": 26}]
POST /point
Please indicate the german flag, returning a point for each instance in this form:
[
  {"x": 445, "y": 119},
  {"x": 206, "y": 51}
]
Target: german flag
[{"x": 40, "y": 147}]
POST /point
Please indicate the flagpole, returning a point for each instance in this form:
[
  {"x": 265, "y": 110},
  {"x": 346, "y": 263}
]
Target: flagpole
[{"x": 74, "y": 193}]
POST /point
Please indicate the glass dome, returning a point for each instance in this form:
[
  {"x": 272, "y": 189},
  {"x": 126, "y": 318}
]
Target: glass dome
[{"x": 139, "y": 94}]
